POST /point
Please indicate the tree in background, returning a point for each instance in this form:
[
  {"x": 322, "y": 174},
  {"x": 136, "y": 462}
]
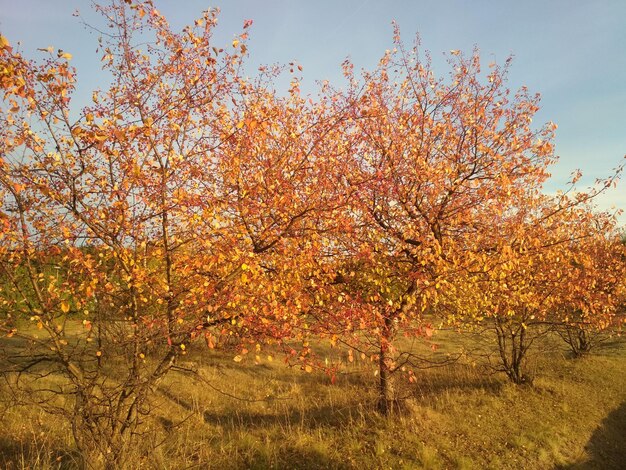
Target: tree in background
[
  {"x": 595, "y": 285},
  {"x": 537, "y": 272}
]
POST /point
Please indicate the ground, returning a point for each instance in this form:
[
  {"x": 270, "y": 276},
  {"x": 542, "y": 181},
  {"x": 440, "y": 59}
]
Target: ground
[{"x": 573, "y": 416}]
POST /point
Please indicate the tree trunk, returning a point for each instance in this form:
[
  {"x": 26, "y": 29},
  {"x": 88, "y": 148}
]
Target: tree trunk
[
  {"x": 513, "y": 346},
  {"x": 385, "y": 399},
  {"x": 578, "y": 339}
]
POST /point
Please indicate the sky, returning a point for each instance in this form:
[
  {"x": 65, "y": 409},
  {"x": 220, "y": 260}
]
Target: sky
[{"x": 572, "y": 52}]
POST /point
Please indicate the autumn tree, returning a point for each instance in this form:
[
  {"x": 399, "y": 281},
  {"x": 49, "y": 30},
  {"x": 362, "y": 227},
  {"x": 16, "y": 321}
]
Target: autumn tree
[
  {"x": 186, "y": 201},
  {"x": 595, "y": 286},
  {"x": 541, "y": 267},
  {"x": 105, "y": 200},
  {"x": 279, "y": 172},
  {"x": 434, "y": 161}
]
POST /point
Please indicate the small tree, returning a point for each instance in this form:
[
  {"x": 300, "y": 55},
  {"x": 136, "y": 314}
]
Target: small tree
[
  {"x": 596, "y": 280},
  {"x": 535, "y": 270}
]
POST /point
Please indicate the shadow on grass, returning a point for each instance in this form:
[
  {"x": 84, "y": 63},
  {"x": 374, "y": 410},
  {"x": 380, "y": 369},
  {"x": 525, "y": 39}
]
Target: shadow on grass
[
  {"x": 455, "y": 378},
  {"x": 362, "y": 410},
  {"x": 340, "y": 415},
  {"x": 612, "y": 347},
  {"x": 318, "y": 417},
  {"x": 18, "y": 454},
  {"x": 276, "y": 415},
  {"x": 292, "y": 457},
  {"x": 607, "y": 446}
]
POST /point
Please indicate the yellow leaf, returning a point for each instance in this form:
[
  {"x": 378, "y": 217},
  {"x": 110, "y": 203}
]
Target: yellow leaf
[
  {"x": 240, "y": 124},
  {"x": 4, "y": 42},
  {"x": 235, "y": 42},
  {"x": 77, "y": 131},
  {"x": 99, "y": 353},
  {"x": 308, "y": 368},
  {"x": 237, "y": 358},
  {"x": 65, "y": 307}
]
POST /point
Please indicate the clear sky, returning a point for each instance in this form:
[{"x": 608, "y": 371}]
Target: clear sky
[{"x": 573, "y": 52}]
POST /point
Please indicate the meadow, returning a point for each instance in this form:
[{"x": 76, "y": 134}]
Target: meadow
[{"x": 268, "y": 415}]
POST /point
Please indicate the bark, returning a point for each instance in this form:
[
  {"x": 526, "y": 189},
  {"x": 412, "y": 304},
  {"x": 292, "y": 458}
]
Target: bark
[{"x": 385, "y": 398}]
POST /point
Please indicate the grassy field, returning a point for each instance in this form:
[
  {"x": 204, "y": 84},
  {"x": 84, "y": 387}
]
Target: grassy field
[{"x": 454, "y": 417}]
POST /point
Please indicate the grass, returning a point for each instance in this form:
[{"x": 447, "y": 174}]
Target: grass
[{"x": 454, "y": 417}]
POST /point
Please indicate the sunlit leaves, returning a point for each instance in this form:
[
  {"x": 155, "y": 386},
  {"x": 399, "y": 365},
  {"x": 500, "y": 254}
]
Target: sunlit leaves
[
  {"x": 4, "y": 42},
  {"x": 189, "y": 201}
]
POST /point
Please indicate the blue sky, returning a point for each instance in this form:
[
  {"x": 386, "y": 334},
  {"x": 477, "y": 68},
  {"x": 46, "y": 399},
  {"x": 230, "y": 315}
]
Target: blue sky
[{"x": 573, "y": 52}]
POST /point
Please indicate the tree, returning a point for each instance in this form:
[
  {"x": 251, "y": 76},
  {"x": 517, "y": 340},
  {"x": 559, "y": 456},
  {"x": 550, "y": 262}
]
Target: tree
[
  {"x": 541, "y": 267},
  {"x": 596, "y": 282},
  {"x": 433, "y": 162},
  {"x": 178, "y": 205}
]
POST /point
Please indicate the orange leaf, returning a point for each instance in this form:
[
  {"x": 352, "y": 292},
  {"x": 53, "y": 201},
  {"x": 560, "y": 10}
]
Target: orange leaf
[{"x": 4, "y": 43}]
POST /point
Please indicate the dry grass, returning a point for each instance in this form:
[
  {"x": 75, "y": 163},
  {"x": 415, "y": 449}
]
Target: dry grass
[{"x": 573, "y": 417}]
